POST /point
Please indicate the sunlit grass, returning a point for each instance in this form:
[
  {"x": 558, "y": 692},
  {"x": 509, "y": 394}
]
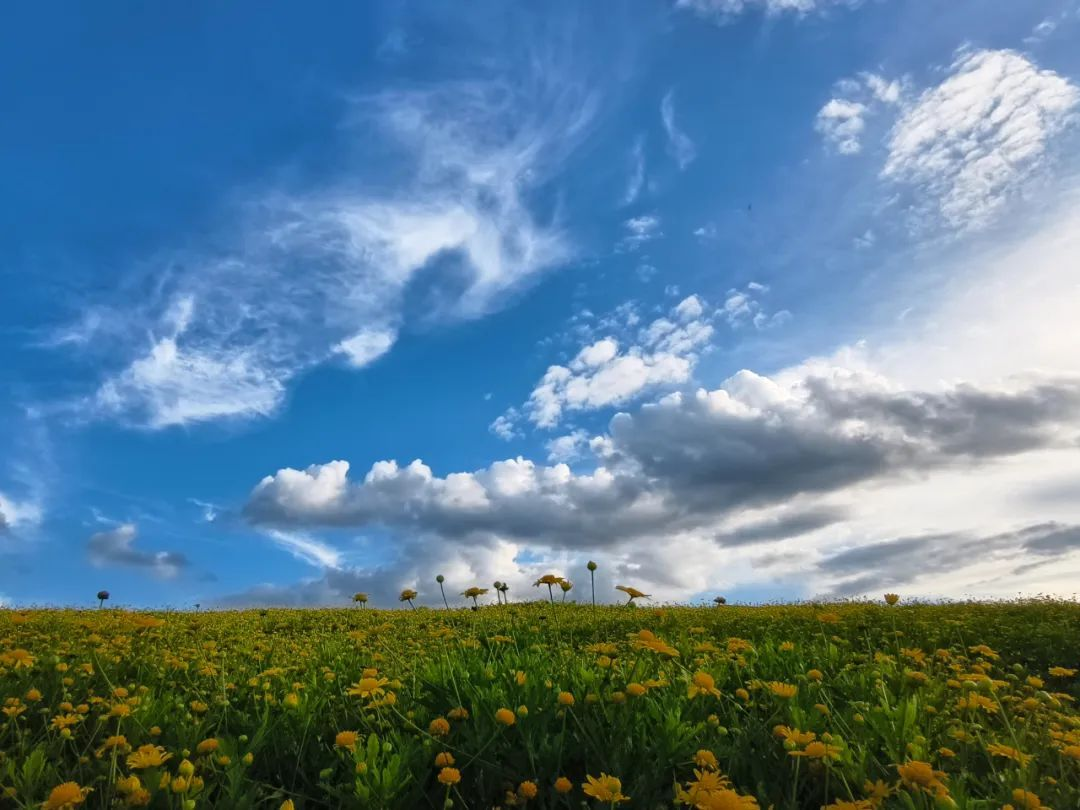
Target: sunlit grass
[{"x": 544, "y": 705}]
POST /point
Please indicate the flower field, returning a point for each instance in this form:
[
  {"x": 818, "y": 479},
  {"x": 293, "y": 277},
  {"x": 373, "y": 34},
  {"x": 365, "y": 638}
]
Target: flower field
[{"x": 544, "y": 705}]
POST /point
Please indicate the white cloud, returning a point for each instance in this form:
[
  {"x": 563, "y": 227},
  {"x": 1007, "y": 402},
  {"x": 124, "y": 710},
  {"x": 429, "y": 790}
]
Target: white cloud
[
  {"x": 505, "y": 425},
  {"x": 116, "y": 546},
  {"x": 679, "y": 145},
  {"x": 971, "y": 141},
  {"x": 308, "y": 274},
  {"x": 605, "y": 373},
  {"x": 636, "y": 182},
  {"x": 18, "y": 513},
  {"x": 564, "y": 449},
  {"x": 839, "y": 475},
  {"x": 306, "y": 549},
  {"x": 841, "y": 123},
  {"x": 640, "y": 230},
  {"x": 744, "y": 306},
  {"x": 367, "y": 346},
  {"x": 724, "y": 9}
]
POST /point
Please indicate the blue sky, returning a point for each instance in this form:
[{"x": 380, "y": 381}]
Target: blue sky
[{"x": 768, "y": 298}]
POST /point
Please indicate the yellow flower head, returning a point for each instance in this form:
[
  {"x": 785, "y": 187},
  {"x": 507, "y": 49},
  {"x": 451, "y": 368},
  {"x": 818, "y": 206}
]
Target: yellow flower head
[
  {"x": 148, "y": 756},
  {"x": 565, "y": 699},
  {"x": 346, "y": 739},
  {"x": 920, "y": 775},
  {"x": 444, "y": 759},
  {"x": 604, "y": 788},
  {"x": 702, "y": 684},
  {"x": 439, "y": 727},
  {"x": 633, "y": 593},
  {"x": 449, "y": 776},
  {"x": 1026, "y": 800},
  {"x": 207, "y": 746},
  {"x": 782, "y": 690},
  {"x": 527, "y": 790},
  {"x": 706, "y": 759},
  {"x": 506, "y": 717},
  {"x": 891, "y": 598},
  {"x": 65, "y": 796},
  {"x": 563, "y": 785}
]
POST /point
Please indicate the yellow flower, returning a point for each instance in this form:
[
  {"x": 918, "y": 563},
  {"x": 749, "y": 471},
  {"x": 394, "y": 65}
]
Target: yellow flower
[
  {"x": 33, "y": 695},
  {"x": 287, "y": 805},
  {"x": 635, "y": 689},
  {"x": 633, "y": 593},
  {"x": 1026, "y": 800},
  {"x": 565, "y": 699},
  {"x": 520, "y": 678},
  {"x": 817, "y": 750},
  {"x": 407, "y": 595},
  {"x": 148, "y": 756},
  {"x": 983, "y": 650},
  {"x": 449, "y": 776},
  {"x": 370, "y": 687},
  {"x": 877, "y": 791},
  {"x": 346, "y": 739},
  {"x": 63, "y": 721},
  {"x": 787, "y": 646},
  {"x": 563, "y": 785},
  {"x": 702, "y": 684},
  {"x": 548, "y": 579},
  {"x": 19, "y": 659},
  {"x": 1057, "y": 672},
  {"x": 782, "y": 690},
  {"x": 726, "y": 799},
  {"x": 527, "y": 790},
  {"x": 922, "y": 776},
  {"x": 815, "y": 675},
  {"x": 998, "y": 750},
  {"x": 207, "y": 746},
  {"x": 118, "y": 742},
  {"x": 647, "y": 640},
  {"x": 65, "y": 796},
  {"x": 128, "y": 784},
  {"x": 444, "y": 759},
  {"x": 439, "y": 727},
  {"x": 891, "y": 598},
  {"x": 506, "y": 717},
  {"x": 706, "y": 759},
  {"x": 605, "y": 788}
]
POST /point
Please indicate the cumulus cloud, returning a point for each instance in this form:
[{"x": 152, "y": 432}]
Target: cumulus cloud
[
  {"x": 436, "y": 210},
  {"x": 116, "y": 546},
  {"x": 971, "y": 141},
  {"x": 842, "y": 121},
  {"x": 16, "y": 513},
  {"x": 681, "y": 462},
  {"x": 606, "y": 372},
  {"x": 679, "y": 145}
]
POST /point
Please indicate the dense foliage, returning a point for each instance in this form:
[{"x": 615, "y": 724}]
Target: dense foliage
[{"x": 543, "y": 705}]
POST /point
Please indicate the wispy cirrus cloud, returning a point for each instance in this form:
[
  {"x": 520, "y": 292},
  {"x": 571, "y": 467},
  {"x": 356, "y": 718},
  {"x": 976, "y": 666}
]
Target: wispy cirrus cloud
[
  {"x": 724, "y": 10},
  {"x": 220, "y": 335},
  {"x": 679, "y": 145}
]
